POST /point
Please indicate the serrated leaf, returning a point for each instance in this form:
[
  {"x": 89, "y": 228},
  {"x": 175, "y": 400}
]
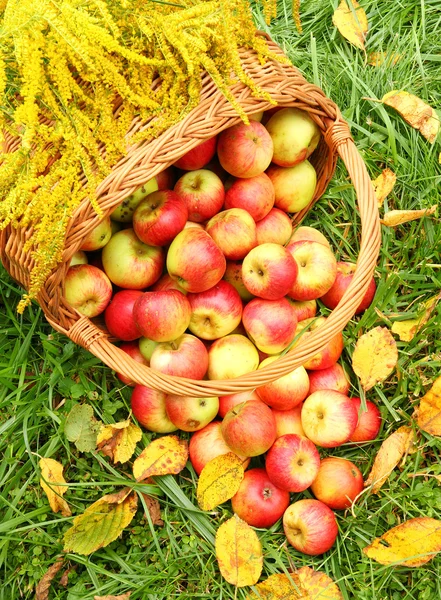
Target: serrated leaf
[
  {"x": 238, "y": 552},
  {"x": 429, "y": 410},
  {"x": 383, "y": 185},
  {"x": 375, "y": 356},
  {"x": 393, "y": 218},
  {"x": 219, "y": 480},
  {"x": 118, "y": 441},
  {"x": 417, "y": 113},
  {"x": 101, "y": 523},
  {"x": 167, "y": 455},
  {"x": 406, "y": 330},
  {"x": 81, "y": 427},
  {"x": 389, "y": 455},
  {"x": 51, "y": 477},
  {"x": 303, "y": 584},
  {"x": 413, "y": 543},
  {"x": 352, "y": 22},
  {"x": 43, "y": 586}
]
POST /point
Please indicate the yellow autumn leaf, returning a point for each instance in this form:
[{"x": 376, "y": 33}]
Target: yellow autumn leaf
[
  {"x": 377, "y": 59},
  {"x": 51, "y": 477},
  {"x": 352, "y": 22},
  {"x": 406, "y": 330},
  {"x": 219, "y": 480},
  {"x": 417, "y": 113},
  {"x": 383, "y": 185},
  {"x": 429, "y": 410},
  {"x": 118, "y": 441},
  {"x": 238, "y": 552},
  {"x": 164, "y": 456},
  {"x": 303, "y": 584},
  {"x": 125, "y": 596},
  {"x": 101, "y": 523},
  {"x": 389, "y": 455},
  {"x": 375, "y": 356},
  {"x": 413, "y": 543},
  {"x": 398, "y": 217}
]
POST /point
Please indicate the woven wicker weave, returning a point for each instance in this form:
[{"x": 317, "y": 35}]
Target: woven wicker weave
[{"x": 142, "y": 162}]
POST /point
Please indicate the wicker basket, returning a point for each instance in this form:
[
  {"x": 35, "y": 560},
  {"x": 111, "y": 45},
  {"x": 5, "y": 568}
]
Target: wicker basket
[{"x": 288, "y": 88}]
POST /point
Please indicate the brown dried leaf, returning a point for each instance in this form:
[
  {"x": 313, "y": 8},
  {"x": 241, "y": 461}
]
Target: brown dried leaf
[
  {"x": 429, "y": 411},
  {"x": 154, "y": 509},
  {"x": 51, "y": 475},
  {"x": 42, "y": 589},
  {"x": 417, "y": 113},
  {"x": 219, "y": 480},
  {"x": 383, "y": 185},
  {"x": 377, "y": 59},
  {"x": 375, "y": 356},
  {"x": 304, "y": 584},
  {"x": 389, "y": 455},
  {"x": 164, "y": 456},
  {"x": 406, "y": 330},
  {"x": 101, "y": 523},
  {"x": 351, "y": 23},
  {"x": 118, "y": 441},
  {"x": 64, "y": 579},
  {"x": 238, "y": 552},
  {"x": 125, "y": 596},
  {"x": 413, "y": 543},
  {"x": 393, "y": 218}
]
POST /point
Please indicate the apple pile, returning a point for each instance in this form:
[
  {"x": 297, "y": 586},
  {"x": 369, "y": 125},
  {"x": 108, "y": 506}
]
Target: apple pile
[{"x": 200, "y": 274}]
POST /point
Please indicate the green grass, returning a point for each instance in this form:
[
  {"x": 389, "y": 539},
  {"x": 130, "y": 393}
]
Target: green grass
[{"x": 43, "y": 374}]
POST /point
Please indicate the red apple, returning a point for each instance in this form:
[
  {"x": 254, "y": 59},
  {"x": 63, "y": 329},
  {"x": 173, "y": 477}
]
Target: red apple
[
  {"x": 162, "y": 316},
  {"x": 195, "y": 261},
  {"x": 124, "y": 212},
  {"x": 166, "y": 179},
  {"x": 303, "y": 309},
  {"x": 232, "y": 356},
  {"x": 332, "y": 378},
  {"x": 292, "y": 462},
  {"x": 310, "y": 234},
  {"x": 185, "y": 356},
  {"x": 289, "y": 421},
  {"x": 258, "y": 501},
  {"x": 132, "y": 349},
  {"x": 215, "y": 312},
  {"x": 203, "y": 193},
  {"x": 269, "y": 271},
  {"x": 317, "y": 269},
  {"x": 345, "y": 274},
  {"x": 245, "y": 150},
  {"x": 148, "y": 407},
  {"x": 249, "y": 428},
  {"x": 310, "y": 526},
  {"x": 233, "y": 274},
  {"x": 338, "y": 483},
  {"x": 255, "y": 195},
  {"x": 234, "y": 231},
  {"x": 198, "y": 157},
  {"x": 227, "y": 402},
  {"x": 189, "y": 413},
  {"x": 166, "y": 283},
  {"x": 98, "y": 237},
  {"x": 160, "y": 217},
  {"x": 329, "y": 418},
  {"x": 131, "y": 264},
  {"x": 330, "y": 354},
  {"x": 295, "y": 136},
  {"x": 369, "y": 422},
  {"x": 294, "y": 187},
  {"x": 87, "y": 289},
  {"x": 285, "y": 392},
  {"x": 270, "y": 324},
  {"x": 208, "y": 443},
  {"x": 275, "y": 228},
  {"x": 118, "y": 315}
]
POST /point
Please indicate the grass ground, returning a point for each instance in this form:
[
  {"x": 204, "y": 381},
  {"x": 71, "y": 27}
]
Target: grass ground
[{"x": 42, "y": 374}]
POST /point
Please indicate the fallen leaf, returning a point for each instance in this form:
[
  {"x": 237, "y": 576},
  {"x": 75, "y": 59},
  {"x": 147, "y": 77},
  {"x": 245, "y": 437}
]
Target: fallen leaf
[
  {"x": 81, "y": 427},
  {"x": 352, "y": 22},
  {"x": 125, "y": 596},
  {"x": 64, "y": 579},
  {"x": 438, "y": 477},
  {"x": 164, "y": 456},
  {"x": 118, "y": 441},
  {"x": 153, "y": 509},
  {"x": 389, "y": 455},
  {"x": 51, "y": 476},
  {"x": 219, "y": 480},
  {"x": 383, "y": 185},
  {"x": 42, "y": 589},
  {"x": 429, "y": 410},
  {"x": 375, "y": 356},
  {"x": 416, "y": 112},
  {"x": 398, "y": 217},
  {"x": 101, "y": 523},
  {"x": 413, "y": 543},
  {"x": 303, "y": 584},
  {"x": 238, "y": 552},
  {"x": 377, "y": 59},
  {"x": 406, "y": 330}
]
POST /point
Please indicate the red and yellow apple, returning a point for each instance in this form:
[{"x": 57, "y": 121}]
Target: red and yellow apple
[
  {"x": 329, "y": 418},
  {"x": 255, "y": 195},
  {"x": 338, "y": 482},
  {"x": 231, "y": 356},
  {"x": 162, "y": 316},
  {"x": 245, "y": 150},
  {"x": 87, "y": 289},
  {"x": 249, "y": 428},
  {"x": 294, "y": 187},
  {"x": 270, "y": 324},
  {"x": 203, "y": 193},
  {"x": 310, "y": 526},
  {"x": 292, "y": 462},
  {"x": 269, "y": 271},
  {"x": 185, "y": 356}
]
